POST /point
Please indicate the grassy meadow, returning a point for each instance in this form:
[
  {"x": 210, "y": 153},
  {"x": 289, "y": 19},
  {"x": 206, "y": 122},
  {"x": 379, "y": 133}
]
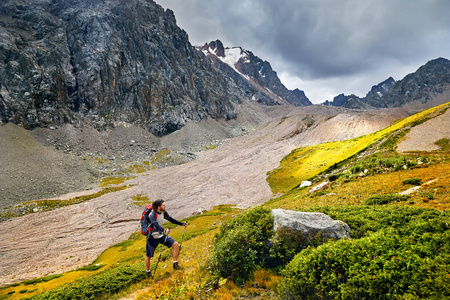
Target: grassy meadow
[{"x": 399, "y": 246}]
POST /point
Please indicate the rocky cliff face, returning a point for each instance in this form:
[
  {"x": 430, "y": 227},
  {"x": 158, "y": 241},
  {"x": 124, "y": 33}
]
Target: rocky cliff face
[
  {"x": 245, "y": 67},
  {"x": 105, "y": 61}
]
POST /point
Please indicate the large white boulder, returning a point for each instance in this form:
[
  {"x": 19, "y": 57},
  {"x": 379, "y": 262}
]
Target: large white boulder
[{"x": 302, "y": 228}]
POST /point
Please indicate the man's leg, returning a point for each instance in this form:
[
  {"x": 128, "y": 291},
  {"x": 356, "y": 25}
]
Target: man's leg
[
  {"x": 175, "y": 250},
  {"x": 149, "y": 252},
  {"x": 171, "y": 243},
  {"x": 147, "y": 263}
]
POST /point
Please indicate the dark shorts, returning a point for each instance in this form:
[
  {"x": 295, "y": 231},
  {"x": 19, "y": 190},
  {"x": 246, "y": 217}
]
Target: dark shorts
[{"x": 153, "y": 243}]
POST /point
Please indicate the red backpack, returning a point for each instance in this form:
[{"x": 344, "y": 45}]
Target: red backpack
[{"x": 145, "y": 224}]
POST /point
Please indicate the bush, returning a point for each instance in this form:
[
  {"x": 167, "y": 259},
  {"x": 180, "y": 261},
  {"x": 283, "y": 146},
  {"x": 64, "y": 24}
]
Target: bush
[
  {"x": 385, "y": 199},
  {"x": 403, "y": 253},
  {"x": 381, "y": 266},
  {"x": 244, "y": 244},
  {"x": 412, "y": 181},
  {"x": 99, "y": 285},
  {"x": 356, "y": 169},
  {"x": 334, "y": 177}
]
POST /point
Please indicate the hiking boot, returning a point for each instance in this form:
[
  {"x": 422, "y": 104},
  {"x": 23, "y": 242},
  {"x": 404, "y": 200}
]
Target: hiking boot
[
  {"x": 149, "y": 274},
  {"x": 176, "y": 266}
]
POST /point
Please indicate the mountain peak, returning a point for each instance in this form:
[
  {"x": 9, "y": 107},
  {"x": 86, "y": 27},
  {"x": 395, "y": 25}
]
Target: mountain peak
[
  {"x": 377, "y": 91},
  {"x": 254, "y": 70},
  {"x": 215, "y": 47}
]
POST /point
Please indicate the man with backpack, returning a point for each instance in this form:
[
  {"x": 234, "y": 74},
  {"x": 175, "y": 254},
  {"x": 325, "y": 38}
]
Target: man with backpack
[{"x": 157, "y": 235}]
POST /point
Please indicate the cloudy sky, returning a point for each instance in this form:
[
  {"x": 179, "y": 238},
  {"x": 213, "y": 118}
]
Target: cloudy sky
[{"x": 325, "y": 47}]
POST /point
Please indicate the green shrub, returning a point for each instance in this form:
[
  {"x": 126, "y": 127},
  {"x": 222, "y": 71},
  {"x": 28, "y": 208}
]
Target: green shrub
[
  {"x": 366, "y": 219},
  {"x": 240, "y": 245},
  {"x": 412, "y": 181},
  {"x": 428, "y": 195},
  {"x": 91, "y": 267},
  {"x": 244, "y": 244},
  {"x": 383, "y": 265},
  {"x": 334, "y": 177},
  {"x": 356, "y": 169},
  {"x": 401, "y": 253},
  {"x": 99, "y": 285},
  {"x": 385, "y": 199}
]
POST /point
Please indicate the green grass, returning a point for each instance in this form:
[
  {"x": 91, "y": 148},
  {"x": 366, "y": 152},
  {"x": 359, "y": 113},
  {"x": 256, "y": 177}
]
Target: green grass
[
  {"x": 140, "y": 200},
  {"x": 42, "y": 279}
]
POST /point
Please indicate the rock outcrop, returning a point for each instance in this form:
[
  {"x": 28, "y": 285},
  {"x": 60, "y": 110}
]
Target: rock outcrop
[
  {"x": 301, "y": 228},
  {"x": 105, "y": 61}
]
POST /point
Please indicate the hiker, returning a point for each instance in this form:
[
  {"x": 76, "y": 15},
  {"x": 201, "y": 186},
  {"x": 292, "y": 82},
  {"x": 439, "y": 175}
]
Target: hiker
[{"x": 157, "y": 234}]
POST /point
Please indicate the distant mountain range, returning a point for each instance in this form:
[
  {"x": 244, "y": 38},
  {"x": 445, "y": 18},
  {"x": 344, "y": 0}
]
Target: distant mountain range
[
  {"x": 422, "y": 86},
  {"x": 103, "y": 62}
]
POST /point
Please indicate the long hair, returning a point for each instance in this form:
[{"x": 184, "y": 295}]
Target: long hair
[{"x": 157, "y": 203}]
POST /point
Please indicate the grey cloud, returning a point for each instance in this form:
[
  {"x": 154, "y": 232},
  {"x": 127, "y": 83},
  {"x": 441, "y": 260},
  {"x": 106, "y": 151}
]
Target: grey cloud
[{"x": 322, "y": 39}]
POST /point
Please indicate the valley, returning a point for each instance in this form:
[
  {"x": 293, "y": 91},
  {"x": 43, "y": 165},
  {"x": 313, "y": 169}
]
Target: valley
[
  {"x": 233, "y": 173},
  {"x": 106, "y": 106}
]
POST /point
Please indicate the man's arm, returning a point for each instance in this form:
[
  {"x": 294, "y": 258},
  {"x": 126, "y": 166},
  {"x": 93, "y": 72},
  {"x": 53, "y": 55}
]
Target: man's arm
[{"x": 171, "y": 220}]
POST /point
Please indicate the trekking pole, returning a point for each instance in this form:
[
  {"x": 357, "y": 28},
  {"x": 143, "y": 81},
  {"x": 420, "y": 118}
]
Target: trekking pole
[
  {"x": 153, "y": 275},
  {"x": 182, "y": 237}
]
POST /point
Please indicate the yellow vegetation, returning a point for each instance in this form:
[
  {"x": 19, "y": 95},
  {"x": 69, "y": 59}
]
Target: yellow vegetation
[
  {"x": 113, "y": 180},
  {"x": 306, "y": 162}
]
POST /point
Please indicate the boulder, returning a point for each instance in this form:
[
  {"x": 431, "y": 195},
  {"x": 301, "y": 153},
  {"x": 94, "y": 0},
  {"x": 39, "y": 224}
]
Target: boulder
[
  {"x": 319, "y": 187},
  {"x": 299, "y": 229},
  {"x": 305, "y": 183}
]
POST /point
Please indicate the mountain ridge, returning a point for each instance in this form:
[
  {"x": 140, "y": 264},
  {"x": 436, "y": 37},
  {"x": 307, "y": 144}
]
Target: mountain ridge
[
  {"x": 256, "y": 71},
  {"x": 425, "y": 86},
  {"x": 103, "y": 63}
]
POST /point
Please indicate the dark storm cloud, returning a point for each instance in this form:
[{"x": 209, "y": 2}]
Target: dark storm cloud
[{"x": 324, "y": 39}]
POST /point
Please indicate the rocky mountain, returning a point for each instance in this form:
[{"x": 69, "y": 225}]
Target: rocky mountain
[
  {"x": 104, "y": 62},
  {"x": 430, "y": 82},
  {"x": 377, "y": 91},
  {"x": 355, "y": 102},
  {"x": 422, "y": 86},
  {"x": 339, "y": 100},
  {"x": 214, "y": 51},
  {"x": 256, "y": 75}
]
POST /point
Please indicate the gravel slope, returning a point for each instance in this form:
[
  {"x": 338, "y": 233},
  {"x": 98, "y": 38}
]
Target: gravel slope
[{"x": 423, "y": 137}]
